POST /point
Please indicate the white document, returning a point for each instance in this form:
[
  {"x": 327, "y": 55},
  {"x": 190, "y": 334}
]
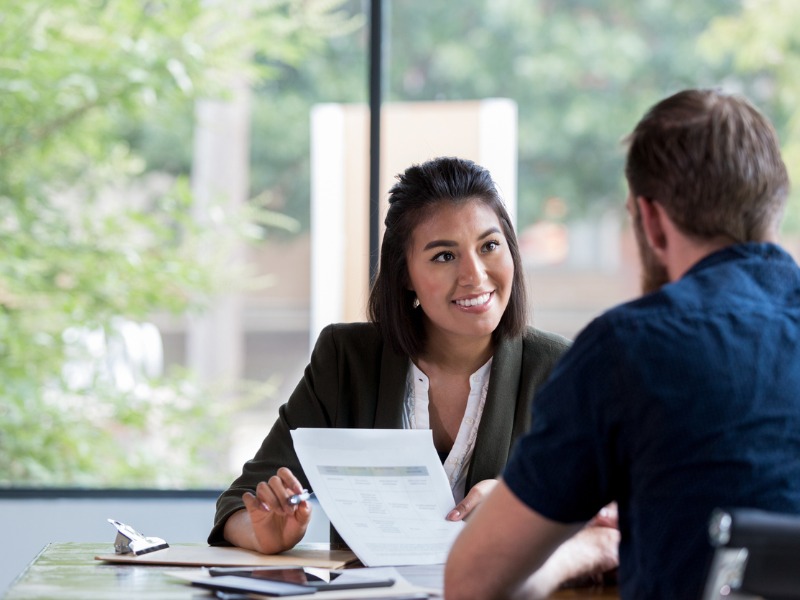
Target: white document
[{"x": 384, "y": 490}]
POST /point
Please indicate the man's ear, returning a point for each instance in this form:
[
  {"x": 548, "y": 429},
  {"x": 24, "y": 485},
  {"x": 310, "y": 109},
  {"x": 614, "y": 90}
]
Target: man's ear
[{"x": 653, "y": 224}]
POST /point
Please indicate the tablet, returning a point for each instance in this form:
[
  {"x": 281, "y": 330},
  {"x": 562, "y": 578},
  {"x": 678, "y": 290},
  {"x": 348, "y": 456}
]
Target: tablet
[
  {"x": 305, "y": 578},
  {"x": 266, "y": 587}
]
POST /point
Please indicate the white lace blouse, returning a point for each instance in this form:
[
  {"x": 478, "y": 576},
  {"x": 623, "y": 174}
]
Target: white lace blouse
[{"x": 416, "y": 416}]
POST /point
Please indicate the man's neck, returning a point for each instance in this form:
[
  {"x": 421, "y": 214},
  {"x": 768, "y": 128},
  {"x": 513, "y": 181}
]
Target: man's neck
[{"x": 687, "y": 251}]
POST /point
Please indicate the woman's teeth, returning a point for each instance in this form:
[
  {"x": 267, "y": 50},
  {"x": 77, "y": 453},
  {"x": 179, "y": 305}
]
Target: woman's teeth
[{"x": 482, "y": 299}]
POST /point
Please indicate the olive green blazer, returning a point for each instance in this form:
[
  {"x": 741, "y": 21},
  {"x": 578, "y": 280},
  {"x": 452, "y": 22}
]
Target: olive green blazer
[{"x": 354, "y": 380}]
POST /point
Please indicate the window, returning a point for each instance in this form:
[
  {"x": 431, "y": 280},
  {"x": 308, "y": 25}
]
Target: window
[{"x": 151, "y": 159}]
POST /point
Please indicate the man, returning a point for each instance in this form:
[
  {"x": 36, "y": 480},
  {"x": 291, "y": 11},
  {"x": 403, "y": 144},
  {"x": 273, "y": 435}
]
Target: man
[{"x": 676, "y": 403}]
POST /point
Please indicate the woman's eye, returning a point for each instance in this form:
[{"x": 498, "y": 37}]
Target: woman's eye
[
  {"x": 491, "y": 246},
  {"x": 444, "y": 257}
]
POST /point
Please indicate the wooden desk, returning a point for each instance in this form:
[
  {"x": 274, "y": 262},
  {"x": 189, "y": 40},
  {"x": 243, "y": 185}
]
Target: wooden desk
[{"x": 68, "y": 571}]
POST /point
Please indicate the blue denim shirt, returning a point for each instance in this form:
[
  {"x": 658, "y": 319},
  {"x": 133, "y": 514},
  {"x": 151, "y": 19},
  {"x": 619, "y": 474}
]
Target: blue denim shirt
[{"x": 676, "y": 403}]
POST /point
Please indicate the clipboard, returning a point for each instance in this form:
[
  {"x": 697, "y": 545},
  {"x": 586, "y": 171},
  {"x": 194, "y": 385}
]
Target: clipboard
[{"x": 192, "y": 555}]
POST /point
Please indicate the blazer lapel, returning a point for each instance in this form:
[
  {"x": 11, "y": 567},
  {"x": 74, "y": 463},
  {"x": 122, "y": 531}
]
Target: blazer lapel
[
  {"x": 391, "y": 390},
  {"x": 493, "y": 443}
]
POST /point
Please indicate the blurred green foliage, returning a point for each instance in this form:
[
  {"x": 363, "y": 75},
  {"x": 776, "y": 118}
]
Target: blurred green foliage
[
  {"x": 761, "y": 45},
  {"x": 581, "y": 71},
  {"x": 80, "y": 253},
  {"x": 97, "y": 95}
]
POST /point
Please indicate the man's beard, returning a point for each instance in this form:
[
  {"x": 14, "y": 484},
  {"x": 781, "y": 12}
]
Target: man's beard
[{"x": 654, "y": 274}]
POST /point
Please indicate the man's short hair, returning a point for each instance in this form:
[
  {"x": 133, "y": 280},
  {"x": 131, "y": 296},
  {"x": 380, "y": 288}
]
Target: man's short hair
[{"x": 713, "y": 161}]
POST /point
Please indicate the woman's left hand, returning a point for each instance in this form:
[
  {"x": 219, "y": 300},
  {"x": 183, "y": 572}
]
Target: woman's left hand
[{"x": 473, "y": 498}]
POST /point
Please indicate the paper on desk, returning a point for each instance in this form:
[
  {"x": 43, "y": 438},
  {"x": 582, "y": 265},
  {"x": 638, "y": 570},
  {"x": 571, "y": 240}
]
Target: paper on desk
[{"x": 384, "y": 490}]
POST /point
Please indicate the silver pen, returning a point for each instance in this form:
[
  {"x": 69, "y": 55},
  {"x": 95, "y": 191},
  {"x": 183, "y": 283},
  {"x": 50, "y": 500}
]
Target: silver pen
[{"x": 301, "y": 497}]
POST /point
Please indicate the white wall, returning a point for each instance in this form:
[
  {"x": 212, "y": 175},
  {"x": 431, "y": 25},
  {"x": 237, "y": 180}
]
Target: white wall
[
  {"x": 413, "y": 132},
  {"x": 28, "y": 525}
]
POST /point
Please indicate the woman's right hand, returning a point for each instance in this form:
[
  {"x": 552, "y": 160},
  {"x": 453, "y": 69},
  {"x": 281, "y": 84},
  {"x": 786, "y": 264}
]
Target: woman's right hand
[{"x": 276, "y": 525}]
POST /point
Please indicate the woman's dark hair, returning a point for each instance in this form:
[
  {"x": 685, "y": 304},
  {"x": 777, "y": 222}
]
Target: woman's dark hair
[{"x": 419, "y": 190}]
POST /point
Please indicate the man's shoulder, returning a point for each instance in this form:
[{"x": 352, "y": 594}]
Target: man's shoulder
[
  {"x": 641, "y": 310},
  {"x": 600, "y": 340}
]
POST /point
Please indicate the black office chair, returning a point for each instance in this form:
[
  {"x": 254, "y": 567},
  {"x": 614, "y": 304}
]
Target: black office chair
[{"x": 757, "y": 555}]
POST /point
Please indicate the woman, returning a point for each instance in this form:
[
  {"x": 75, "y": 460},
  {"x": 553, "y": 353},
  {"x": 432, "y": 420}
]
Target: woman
[{"x": 447, "y": 349}]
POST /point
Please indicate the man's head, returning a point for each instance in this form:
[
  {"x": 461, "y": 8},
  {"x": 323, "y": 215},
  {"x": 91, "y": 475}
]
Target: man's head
[{"x": 713, "y": 163}]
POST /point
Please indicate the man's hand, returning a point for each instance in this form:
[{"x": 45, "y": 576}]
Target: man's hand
[
  {"x": 588, "y": 555},
  {"x": 583, "y": 559}
]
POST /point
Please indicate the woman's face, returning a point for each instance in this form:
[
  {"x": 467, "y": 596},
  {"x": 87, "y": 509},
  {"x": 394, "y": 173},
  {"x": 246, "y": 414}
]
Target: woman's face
[{"x": 460, "y": 267}]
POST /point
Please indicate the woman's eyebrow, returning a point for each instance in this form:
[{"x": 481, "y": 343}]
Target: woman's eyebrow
[
  {"x": 490, "y": 231},
  {"x": 439, "y": 243},
  {"x": 452, "y": 244}
]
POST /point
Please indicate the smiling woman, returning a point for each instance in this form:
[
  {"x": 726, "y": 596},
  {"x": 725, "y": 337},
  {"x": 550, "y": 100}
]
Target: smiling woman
[
  {"x": 462, "y": 271},
  {"x": 447, "y": 349}
]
